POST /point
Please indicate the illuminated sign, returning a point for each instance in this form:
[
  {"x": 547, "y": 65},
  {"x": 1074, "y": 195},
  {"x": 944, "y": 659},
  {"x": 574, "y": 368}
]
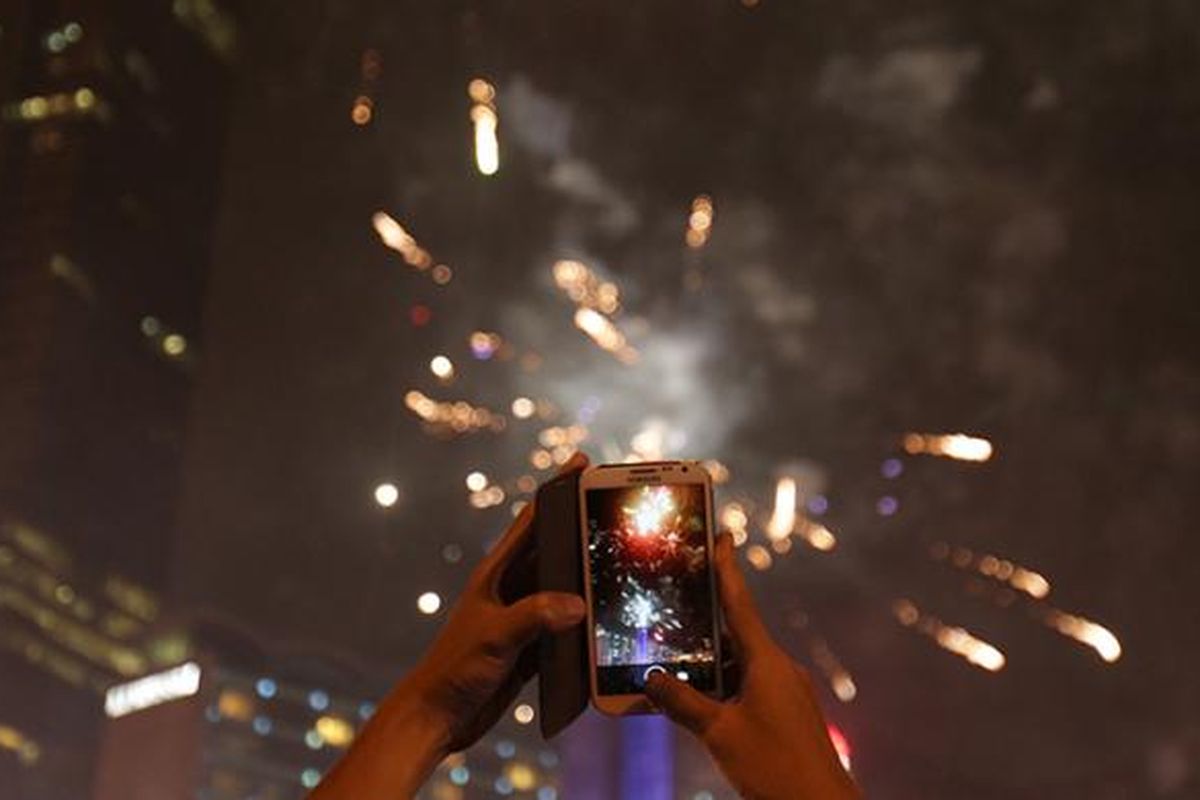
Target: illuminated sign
[{"x": 152, "y": 690}]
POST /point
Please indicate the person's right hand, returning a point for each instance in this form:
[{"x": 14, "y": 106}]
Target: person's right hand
[{"x": 770, "y": 740}]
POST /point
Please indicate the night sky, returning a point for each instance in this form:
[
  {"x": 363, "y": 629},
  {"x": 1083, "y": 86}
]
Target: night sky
[{"x": 939, "y": 217}]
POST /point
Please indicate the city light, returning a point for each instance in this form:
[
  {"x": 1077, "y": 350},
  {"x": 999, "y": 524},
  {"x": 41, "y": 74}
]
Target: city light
[
  {"x": 429, "y": 603},
  {"x": 387, "y": 494},
  {"x": 334, "y": 731},
  {"x": 485, "y": 119},
  {"x": 35, "y": 108},
  {"x": 522, "y": 776},
  {"x": 318, "y": 700},
  {"x": 152, "y": 690},
  {"x": 235, "y": 705},
  {"x": 27, "y": 750},
  {"x": 174, "y": 345},
  {"x": 958, "y": 446}
]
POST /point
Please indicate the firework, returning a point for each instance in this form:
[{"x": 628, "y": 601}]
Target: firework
[{"x": 649, "y": 514}]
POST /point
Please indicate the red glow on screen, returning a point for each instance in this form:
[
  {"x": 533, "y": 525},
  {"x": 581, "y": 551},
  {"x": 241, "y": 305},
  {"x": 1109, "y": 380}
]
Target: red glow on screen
[{"x": 841, "y": 744}]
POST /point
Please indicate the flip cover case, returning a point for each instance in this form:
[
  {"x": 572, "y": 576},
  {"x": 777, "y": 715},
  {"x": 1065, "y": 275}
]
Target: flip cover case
[{"x": 562, "y": 658}]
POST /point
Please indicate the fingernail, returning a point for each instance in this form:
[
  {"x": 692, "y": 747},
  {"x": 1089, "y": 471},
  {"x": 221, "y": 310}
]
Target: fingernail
[{"x": 567, "y": 611}]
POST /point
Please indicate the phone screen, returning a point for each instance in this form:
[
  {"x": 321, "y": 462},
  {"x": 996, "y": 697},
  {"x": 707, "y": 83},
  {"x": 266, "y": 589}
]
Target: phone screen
[{"x": 651, "y": 583}]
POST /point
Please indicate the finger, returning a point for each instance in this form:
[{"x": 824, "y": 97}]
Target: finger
[
  {"x": 520, "y": 578},
  {"x": 578, "y": 460},
  {"x": 545, "y": 611},
  {"x": 502, "y": 553},
  {"x": 682, "y": 703},
  {"x": 519, "y": 534},
  {"x": 741, "y": 613}
]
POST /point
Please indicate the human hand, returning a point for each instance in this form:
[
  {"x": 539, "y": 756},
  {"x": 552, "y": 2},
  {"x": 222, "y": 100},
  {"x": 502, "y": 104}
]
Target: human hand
[
  {"x": 770, "y": 741},
  {"x": 474, "y": 669},
  {"x": 484, "y": 653}
]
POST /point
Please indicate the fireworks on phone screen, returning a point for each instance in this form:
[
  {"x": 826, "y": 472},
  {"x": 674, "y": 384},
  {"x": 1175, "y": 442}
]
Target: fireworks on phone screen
[{"x": 651, "y": 584}]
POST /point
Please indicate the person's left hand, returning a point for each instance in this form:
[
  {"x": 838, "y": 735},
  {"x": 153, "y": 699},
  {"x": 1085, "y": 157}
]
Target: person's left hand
[
  {"x": 486, "y": 651},
  {"x": 475, "y": 667}
]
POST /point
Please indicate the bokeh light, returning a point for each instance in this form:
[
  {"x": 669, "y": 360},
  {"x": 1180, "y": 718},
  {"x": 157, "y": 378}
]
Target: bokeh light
[{"x": 429, "y": 603}]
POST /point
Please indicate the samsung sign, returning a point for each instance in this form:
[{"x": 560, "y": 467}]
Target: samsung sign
[{"x": 152, "y": 690}]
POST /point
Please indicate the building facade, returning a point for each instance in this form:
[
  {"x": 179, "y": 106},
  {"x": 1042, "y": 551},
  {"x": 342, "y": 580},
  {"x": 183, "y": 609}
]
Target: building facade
[{"x": 112, "y": 120}]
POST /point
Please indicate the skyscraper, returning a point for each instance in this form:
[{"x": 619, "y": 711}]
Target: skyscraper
[{"x": 112, "y": 119}]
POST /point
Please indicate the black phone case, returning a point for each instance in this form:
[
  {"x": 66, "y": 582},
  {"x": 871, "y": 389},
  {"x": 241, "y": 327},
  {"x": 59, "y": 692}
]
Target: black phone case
[{"x": 562, "y": 658}]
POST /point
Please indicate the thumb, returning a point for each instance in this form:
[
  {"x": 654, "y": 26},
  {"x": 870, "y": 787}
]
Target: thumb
[
  {"x": 682, "y": 703},
  {"x": 545, "y": 611}
]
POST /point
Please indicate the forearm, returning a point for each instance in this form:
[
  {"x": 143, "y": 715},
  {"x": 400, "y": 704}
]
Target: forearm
[{"x": 392, "y": 757}]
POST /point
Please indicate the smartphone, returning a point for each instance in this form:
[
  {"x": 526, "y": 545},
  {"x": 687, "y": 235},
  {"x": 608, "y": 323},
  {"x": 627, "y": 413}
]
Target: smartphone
[{"x": 647, "y": 534}]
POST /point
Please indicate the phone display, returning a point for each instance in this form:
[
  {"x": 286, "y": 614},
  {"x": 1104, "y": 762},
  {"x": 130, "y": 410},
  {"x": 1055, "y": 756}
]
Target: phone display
[{"x": 651, "y": 585}]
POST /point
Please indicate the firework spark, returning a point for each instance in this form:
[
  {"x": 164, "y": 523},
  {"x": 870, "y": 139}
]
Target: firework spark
[
  {"x": 958, "y": 446},
  {"x": 999, "y": 569},
  {"x": 949, "y": 637},
  {"x": 1086, "y": 632},
  {"x": 650, "y": 512},
  {"x": 783, "y": 518}
]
